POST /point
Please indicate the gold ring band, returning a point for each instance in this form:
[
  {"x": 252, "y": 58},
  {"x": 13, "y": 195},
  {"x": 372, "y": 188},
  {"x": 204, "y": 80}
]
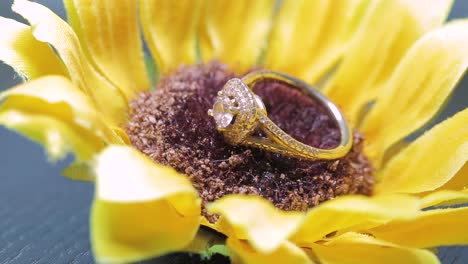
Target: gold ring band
[{"x": 239, "y": 112}]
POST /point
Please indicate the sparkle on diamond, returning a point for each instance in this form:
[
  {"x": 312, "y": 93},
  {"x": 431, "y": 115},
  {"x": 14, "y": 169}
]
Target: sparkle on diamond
[{"x": 221, "y": 114}]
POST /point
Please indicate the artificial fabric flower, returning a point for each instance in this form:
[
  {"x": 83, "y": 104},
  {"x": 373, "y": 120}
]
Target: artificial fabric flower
[{"x": 80, "y": 78}]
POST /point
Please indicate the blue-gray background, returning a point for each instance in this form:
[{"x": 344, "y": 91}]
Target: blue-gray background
[{"x": 44, "y": 216}]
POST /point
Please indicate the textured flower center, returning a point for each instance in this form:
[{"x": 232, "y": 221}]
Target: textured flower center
[{"x": 171, "y": 125}]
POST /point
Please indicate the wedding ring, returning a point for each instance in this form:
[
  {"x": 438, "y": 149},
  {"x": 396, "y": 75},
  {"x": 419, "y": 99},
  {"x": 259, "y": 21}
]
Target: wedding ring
[{"x": 238, "y": 112}]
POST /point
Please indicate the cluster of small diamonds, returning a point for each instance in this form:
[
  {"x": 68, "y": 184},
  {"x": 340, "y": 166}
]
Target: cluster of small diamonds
[
  {"x": 239, "y": 99},
  {"x": 297, "y": 148}
]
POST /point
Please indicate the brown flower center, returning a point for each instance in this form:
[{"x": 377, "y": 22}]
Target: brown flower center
[{"x": 171, "y": 125}]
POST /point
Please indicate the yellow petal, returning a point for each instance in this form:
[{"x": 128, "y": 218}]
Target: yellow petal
[
  {"x": 352, "y": 248},
  {"x": 79, "y": 171},
  {"x": 459, "y": 181},
  {"x": 49, "y": 28},
  {"x": 308, "y": 37},
  {"x": 444, "y": 198},
  {"x": 108, "y": 31},
  {"x": 53, "y": 99},
  {"x": 29, "y": 57},
  {"x": 255, "y": 219},
  {"x": 441, "y": 227},
  {"x": 377, "y": 48},
  {"x": 430, "y": 161},
  {"x": 285, "y": 253},
  {"x": 418, "y": 89},
  {"x": 122, "y": 135},
  {"x": 59, "y": 137},
  {"x": 394, "y": 150},
  {"x": 235, "y": 31},
  {"x": 141, "y": 209},
  {"x": 62, "y": 99},
  {"x": 353, "y": 212},
  {"x": 51, "y": 111},
  {"x": 169, "y": 28}
]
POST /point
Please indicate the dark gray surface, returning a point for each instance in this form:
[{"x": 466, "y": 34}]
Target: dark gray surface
[{"x": 44, "y": 217}]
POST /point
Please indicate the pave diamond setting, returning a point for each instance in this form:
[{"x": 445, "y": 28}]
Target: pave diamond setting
[
  {"x": 234, "y": 111},
  {"x": 238, "y": 112}
]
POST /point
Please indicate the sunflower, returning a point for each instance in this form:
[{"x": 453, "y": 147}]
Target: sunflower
[{"x": 388, "y": 65}]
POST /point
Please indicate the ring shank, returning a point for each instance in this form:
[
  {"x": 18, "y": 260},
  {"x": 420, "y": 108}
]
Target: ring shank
[{"x": 279, "y": 141}]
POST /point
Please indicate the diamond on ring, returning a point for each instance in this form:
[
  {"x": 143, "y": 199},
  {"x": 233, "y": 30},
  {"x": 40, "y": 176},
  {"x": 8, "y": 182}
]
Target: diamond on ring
[{"x": 238, "y": 112}]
